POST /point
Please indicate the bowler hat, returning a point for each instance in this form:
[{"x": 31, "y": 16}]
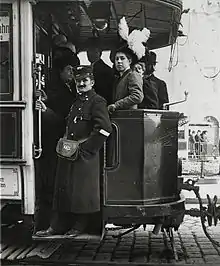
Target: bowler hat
[
  {"x": 150, "y": 58},
  {"x": 68, "y": 45},
  {"x": 63, "y": 61},
  {"x": 153, "y": 58}
]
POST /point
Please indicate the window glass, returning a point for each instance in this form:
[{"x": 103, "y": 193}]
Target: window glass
[{"x": 5, "y": 53}]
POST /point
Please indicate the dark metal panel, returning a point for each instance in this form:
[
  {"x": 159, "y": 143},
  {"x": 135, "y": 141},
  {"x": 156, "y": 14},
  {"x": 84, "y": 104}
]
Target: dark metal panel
[
  {"x": 147, "y": 170},
  {"x": 124, "y": 184},
  {"x": 160, "y": 158},
  {"x": 141, "y": 214},
  {"x": 10, "y": 138}
]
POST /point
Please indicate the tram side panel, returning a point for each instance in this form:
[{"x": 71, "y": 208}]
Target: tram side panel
[
  {"x": 16, "y": 154},
  {"x": 146, "y": 172}
]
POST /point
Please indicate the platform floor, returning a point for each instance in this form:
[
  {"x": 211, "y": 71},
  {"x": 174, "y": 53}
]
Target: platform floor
[{"x": 136, "y": 248}]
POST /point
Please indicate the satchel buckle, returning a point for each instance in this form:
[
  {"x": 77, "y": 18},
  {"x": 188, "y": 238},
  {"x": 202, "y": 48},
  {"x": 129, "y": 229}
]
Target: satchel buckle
[{"x": 66, "y": 147}]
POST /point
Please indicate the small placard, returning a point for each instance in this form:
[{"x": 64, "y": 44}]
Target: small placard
[
  {"x": 4, "y": 28},
  {"x": 9, "y": 182}
]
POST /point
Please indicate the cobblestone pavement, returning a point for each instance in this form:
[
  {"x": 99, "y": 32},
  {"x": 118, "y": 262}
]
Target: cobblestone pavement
[{"x": 138, "y": 248}]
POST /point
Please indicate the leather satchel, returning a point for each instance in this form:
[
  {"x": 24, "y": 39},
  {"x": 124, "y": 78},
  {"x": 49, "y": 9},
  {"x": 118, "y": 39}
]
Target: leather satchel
[{"x": 68, "y": 149}]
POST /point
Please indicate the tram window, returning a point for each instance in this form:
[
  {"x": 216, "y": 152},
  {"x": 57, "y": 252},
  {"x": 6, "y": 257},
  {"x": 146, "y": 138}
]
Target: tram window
[
  {"x": 6, "y": 92},
  {"x": 105, "y": 57}
]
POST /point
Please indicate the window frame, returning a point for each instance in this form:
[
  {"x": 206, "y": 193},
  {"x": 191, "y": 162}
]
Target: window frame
[{"x": 9, "y": 95}]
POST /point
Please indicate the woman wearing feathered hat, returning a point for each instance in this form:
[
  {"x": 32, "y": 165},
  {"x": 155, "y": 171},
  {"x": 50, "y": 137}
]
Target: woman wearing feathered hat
[{"x": 127, "y": 90}]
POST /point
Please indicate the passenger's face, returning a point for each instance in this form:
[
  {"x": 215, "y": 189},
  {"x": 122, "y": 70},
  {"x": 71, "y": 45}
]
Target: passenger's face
[
  {"x": 122, "y": 62},
  {"x": 67, "y": 74},
  {"x": 139, "y": 69},
  {"x": 149, "y": 68},
  {"x": 84, "y": 84}
]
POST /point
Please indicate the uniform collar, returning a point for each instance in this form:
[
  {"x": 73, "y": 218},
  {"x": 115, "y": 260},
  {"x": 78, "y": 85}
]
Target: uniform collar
[{"x": 85, "y": 96}]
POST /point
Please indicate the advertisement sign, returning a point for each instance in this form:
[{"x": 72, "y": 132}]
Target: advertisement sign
[
  {"x": 4, "y": 28},
  {"x": 10, "y": 183}
]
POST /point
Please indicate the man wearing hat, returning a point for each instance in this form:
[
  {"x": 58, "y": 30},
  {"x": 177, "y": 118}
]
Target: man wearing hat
[
  {"x": 77, "y": 187},
  {"x": 155, "y": 89},
  {"x": 127, "y": 90},
  {"x": 55, "y": 108},
  {"x": 103, "y": 74}
]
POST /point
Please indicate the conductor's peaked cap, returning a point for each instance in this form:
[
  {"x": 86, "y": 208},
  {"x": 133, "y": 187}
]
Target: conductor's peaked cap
[{"x": 83, "y": 71}]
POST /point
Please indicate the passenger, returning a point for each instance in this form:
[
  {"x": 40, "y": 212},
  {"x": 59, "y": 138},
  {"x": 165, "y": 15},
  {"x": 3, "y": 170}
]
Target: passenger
[
  {"x": 58, "y": 39},
  {"x": 62, "y": 51},
  {"x": 62, "y": 91},
  {"x": 139, "y": 67},
  {"x": 103, "y": 74},
  {"x": 127, "y": 90},
  {"x": 153, "y": 85},
  {"x": 151, "y": 100},
  {"x": 77, "y": 186},
  {"x": 55, "y": 108}
]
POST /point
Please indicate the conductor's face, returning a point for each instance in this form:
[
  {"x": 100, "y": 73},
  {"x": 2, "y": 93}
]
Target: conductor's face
[
  {"x": 122, "y": 62},
  {"x": 84, "y": 84}
]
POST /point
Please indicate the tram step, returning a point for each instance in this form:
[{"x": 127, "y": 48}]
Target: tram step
[{"x": 66, "y": 237}]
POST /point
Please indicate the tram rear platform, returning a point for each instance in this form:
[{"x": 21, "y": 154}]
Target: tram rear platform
[{"x": 140, "y": 247}]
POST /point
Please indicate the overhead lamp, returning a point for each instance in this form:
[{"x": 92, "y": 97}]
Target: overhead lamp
[
  {"x": 99, "y": 14},
  {"x": 100, "y": 24}
]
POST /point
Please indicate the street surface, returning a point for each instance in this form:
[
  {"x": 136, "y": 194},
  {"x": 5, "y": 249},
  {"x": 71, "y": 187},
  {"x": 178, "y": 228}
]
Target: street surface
[{"x": 136, "y": 248}]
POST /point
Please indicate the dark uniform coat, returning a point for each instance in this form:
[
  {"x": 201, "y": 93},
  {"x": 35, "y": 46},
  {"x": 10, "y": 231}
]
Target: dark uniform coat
[
  {"x": 60, "y": 99},
  {"x": 128, "y": 91},
  {"x": 104, "y": 79},
  {"x": 151, "y": 99},
  {"x": 77, "y": 187},
  {"x": 161, "y": 90}
]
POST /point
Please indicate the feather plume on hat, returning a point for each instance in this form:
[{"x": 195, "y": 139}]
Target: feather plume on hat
[{"x": 135, "y": 39}]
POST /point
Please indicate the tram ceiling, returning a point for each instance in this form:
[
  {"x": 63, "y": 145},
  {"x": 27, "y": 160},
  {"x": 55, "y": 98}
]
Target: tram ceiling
[{"x": 82, "y": 20}]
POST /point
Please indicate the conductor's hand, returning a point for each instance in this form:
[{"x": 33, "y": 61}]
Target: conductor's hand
[
  {"x": 39, "y": 105},
  {"x": 42, "y": 94},
  {"x": 111, "y": 108}
]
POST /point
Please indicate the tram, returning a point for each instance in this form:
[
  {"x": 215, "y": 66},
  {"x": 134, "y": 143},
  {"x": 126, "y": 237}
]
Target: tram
[{"x": 141, "y": 191}]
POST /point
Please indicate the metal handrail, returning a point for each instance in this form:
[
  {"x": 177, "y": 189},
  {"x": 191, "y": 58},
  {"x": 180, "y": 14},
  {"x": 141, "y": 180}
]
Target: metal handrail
[{"x": 38, "y": 149}]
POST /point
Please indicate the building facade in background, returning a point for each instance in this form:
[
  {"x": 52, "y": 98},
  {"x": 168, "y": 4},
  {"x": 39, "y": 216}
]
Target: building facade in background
[{"x": 195, "y": 62}]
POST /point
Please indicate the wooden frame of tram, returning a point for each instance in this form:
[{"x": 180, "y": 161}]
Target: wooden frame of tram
[
  {"x": 22, "y": 44},
  {"x": 150, "y": 198}
]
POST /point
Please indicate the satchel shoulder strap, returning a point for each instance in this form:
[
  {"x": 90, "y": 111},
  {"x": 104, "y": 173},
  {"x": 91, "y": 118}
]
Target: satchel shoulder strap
[{"x": 66, "y": 131}]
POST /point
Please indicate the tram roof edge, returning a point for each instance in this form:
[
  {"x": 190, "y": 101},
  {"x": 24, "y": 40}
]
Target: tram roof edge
[{"x": 161, "y": 17}]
